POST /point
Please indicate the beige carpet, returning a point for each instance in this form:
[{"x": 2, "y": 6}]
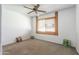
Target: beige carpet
[{"x": 37, "y": 47}]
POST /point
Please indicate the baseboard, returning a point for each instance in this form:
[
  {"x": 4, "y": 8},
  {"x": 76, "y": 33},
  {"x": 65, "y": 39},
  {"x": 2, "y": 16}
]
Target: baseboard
[
  {"x": 14, "y": 42},
  {"x": 53, "y": 42},
  {"x": 49, "y": 41}
]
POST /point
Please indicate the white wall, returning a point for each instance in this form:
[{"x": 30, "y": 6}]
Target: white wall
[
  {"x": 77, "y": 25},
  {"x": 0, "y": 29},
  {"x": 66, "y": 27},
  {"x": 13, "y": 25}
]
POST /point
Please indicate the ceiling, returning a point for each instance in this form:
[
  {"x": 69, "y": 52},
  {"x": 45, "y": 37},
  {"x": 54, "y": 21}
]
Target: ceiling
[{"x": 46, "y": 7}]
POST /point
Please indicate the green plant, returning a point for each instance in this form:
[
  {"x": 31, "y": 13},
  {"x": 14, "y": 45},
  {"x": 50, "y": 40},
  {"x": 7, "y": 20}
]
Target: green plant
[{"x": 66, "y": 43}]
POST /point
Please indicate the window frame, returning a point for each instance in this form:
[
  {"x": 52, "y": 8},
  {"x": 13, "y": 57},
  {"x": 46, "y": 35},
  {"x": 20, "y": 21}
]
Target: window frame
[{"x": 56, "y": 25}]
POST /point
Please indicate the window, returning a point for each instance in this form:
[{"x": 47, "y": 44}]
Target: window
[{"x": 47, "y": 25}]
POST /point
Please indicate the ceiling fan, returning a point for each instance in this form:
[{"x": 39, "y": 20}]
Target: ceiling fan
[{"x": 35, "y": 9}]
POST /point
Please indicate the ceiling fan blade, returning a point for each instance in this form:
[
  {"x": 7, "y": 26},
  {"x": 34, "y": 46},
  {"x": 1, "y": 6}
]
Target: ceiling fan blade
[
  {"x": 28, "y": 8},
  {"x": 33, "y": 5},
  {"x": 30, "y": 12},
  {"x": 41, "y": 11}
]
